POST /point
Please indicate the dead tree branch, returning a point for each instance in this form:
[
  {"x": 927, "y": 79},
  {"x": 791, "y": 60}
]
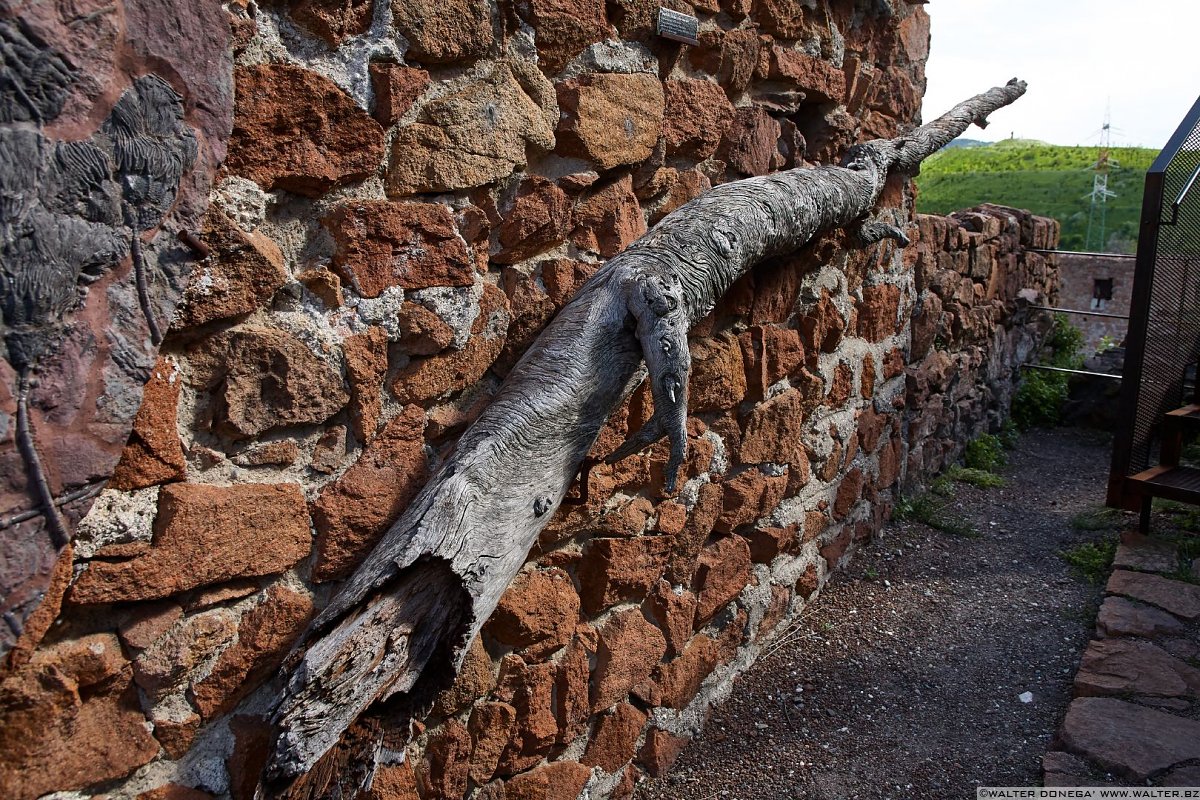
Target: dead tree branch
[{"x": 403, "y": 619}]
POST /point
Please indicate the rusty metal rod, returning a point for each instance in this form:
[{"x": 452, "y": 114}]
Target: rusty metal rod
[
  {"x": 1078, "y": 253},
  {"x": 192, "y": 241},
  {"x": 1072, "y": 371},
  {"x": 1078, "y": 311}
]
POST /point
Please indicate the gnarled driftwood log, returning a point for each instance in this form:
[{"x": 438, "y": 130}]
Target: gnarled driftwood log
[{"x": 426, "y": 589}]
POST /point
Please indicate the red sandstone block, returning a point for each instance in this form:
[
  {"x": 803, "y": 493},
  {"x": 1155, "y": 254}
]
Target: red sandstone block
[
  {"x": 537, "y": 613},
  {"x": 630, "y": 648},
  {"x": 724, "y": 570}
]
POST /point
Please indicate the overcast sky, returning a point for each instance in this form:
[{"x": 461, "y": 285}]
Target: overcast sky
[{"x": 1141, "y": 57}]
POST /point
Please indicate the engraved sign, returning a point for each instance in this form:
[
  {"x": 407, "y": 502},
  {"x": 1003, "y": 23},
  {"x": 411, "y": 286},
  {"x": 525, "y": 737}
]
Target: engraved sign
[{"x": 678, "y": 27}]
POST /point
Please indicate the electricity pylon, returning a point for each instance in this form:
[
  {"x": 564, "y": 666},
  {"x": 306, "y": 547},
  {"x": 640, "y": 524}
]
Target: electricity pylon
[{"x": 1100, "y": 191}]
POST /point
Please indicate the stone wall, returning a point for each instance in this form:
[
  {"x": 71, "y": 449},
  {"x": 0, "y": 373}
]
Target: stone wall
[
  {"x": 974, "y": 273},
  {"x": 1080, "y": 274},
  {"x": 411, "y": 192}
]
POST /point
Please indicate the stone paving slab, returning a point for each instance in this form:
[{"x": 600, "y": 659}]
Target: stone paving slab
[
  {"x": 1129, "y": 740},
  {"x": 1179, "y": 598},
  {"x": 1123, "y": 667},
  {"x": 1063, "y": 769},
  {"x": 1146, "y": 553},
  {"x": 1184, "y": 776},
  {"x": 1135, "y": 713},
  {"x": 1120, "y": 616},
  {"x": 1182, "y": 647}
]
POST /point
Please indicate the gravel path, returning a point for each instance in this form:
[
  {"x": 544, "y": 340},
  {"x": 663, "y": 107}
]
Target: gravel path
[{"x": 905, "y": 678}]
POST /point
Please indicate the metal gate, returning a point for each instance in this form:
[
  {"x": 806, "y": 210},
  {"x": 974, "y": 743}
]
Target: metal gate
[{"x": 1159, "y": 398}]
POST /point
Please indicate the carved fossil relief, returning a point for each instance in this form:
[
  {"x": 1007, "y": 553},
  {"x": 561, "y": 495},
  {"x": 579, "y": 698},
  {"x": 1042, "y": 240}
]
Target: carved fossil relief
[{"x": 71, "y": 212}]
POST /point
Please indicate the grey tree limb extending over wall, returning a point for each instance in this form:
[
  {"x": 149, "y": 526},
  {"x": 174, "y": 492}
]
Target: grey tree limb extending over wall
[{"x": 402, "y": 620}]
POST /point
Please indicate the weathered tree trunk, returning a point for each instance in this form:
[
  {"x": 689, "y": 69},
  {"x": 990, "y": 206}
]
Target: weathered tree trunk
[{"x": 406, "y": 615}]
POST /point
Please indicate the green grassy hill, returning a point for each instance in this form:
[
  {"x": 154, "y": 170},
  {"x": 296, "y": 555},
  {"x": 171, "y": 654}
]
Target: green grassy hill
[{"x": 1050, "y": 180}]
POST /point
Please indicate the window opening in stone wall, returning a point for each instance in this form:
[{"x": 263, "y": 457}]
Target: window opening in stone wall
[{"x": 1102, "y": 289}]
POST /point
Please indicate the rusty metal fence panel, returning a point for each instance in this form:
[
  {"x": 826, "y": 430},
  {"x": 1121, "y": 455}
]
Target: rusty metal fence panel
[{"x": 1163, "y": 344}]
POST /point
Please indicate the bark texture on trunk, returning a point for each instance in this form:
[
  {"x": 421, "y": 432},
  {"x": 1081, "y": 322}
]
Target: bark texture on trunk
[{"x": 402, "y": 621}]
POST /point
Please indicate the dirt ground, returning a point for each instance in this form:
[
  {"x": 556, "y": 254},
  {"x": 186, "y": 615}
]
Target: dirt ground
[{"x": 936, "y": 663}]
